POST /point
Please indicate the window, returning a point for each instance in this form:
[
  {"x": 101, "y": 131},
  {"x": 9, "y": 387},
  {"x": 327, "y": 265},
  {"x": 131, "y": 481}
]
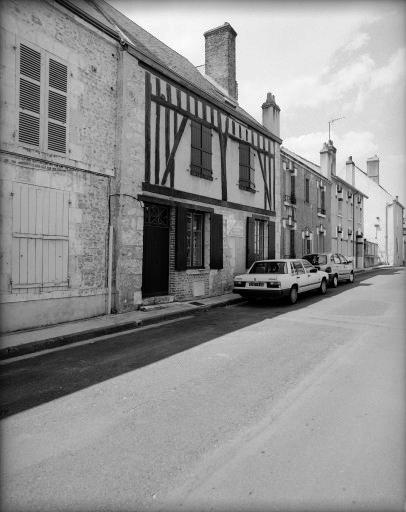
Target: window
[
  {"x": 340, "y": 208},
  {"x": 307, "y": 245},
  {"x": 260, "y": 240},
  {"x": 43, "y": 87},
  {"x": 247, "y": 168},
  {"x": 274, "y": 267},
  {"x": 321, "y": 207},
  {"x": 307, "y": 190},
  {"x": 298, "y": 267},
  {"x": 201, "y": 151},
  {"x": 307, "y": 265},
  {"x": 194, "y": 239}
]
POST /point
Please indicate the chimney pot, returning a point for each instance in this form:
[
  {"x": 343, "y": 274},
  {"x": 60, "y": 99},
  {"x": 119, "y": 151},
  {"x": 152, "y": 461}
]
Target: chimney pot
[{"x": 220, "y": 61}]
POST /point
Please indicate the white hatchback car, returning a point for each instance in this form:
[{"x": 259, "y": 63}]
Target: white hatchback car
[
  {"x": 280, "y": 278},
  {"x": 338, "y": 267}
]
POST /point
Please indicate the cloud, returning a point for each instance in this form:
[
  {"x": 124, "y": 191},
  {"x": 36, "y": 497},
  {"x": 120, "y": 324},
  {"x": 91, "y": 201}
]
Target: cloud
[
  {"x": 360, "y": 145},
  {"x": 357, "y": 42},
  {"x": 352, "y": 83}
]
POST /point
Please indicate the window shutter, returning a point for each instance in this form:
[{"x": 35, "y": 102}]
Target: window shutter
[
  {"x": 292, "y": 184},
  {"x": 57, "y": 106},
  {"x": 180, "y": 254},
  {"x": 250, "y": 242},
  {"x": 30, "y": 96},
  {"x": 271, "y": 240},
  {"x": 216, "y": 241}
]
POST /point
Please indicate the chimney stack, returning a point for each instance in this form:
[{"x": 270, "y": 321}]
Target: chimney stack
[
  {"x": 220, "y": 57},
  {"x": 373, "y": 168},
  {"x": 270, "y": 115},
  {"x": 328, "y": 159},
  {"x": 350, "y": 171}
]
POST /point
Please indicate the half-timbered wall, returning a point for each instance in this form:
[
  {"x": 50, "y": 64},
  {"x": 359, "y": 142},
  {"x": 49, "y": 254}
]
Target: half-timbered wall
[
  {"x": 169, "y": 113},
  {"x": 170, "y": 171}
]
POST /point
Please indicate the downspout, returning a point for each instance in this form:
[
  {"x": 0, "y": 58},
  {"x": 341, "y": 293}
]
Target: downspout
[
  {"x": 354, "y": 252},
  {"x": 386, "y": 233}
]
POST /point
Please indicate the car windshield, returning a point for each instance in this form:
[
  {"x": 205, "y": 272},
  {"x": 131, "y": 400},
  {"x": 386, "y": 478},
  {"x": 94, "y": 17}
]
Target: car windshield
[
  {"x": 316, "y": 259},
  {"x": 269, "y": 267}
]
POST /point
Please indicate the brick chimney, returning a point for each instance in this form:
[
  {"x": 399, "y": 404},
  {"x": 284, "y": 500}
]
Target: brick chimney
[
  {"x": 328, "y": 159},
  {"x": 220, "y": 57},
  {"x": 373, "y": 168},
  {"x": 350, "y": 171},
  {"x": 270, "y": 115}
]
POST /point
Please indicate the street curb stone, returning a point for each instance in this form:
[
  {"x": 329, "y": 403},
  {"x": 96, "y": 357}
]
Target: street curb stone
[{"x": 67, "y": 339}]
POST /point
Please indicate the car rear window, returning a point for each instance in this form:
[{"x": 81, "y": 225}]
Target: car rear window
[
  {"x": 269, "y": 267},
  {"x": 316, "y": 259}
]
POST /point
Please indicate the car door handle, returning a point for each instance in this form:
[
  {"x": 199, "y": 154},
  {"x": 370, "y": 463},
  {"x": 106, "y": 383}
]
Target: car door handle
[{"x": 297, "y": 277}]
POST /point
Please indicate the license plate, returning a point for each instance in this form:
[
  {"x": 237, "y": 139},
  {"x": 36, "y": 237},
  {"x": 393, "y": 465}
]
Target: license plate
[{"x": 256, "y": 284}]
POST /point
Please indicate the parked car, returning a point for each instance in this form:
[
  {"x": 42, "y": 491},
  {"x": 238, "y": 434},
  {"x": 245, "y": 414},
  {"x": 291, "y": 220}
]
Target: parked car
[
  {"x": 338, "y": 267},
  {"x": 280, "y": 278}
]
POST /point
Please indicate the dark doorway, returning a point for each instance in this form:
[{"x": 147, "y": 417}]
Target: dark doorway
[{"x": 155, "y": 272}]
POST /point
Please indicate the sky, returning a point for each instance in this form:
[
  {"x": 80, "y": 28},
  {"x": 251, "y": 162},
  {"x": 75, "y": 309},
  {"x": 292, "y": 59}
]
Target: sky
[{"x": 323, "y": 60}]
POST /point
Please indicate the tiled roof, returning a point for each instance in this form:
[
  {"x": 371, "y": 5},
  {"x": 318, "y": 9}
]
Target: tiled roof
[
  {"x": 304, "y": 161},
  {"x": 158, "y": 52}
]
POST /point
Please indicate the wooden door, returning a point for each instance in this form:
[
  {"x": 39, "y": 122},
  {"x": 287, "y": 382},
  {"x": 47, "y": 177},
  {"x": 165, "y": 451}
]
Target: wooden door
[{"x": 155, "y": 272}]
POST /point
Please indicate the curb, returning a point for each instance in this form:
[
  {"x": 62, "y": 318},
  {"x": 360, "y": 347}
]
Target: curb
[{"x": 67, "y": 339}]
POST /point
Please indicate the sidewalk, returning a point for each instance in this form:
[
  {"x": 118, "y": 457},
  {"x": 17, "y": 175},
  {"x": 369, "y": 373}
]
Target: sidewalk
[
  {"x": 28, "y": 341},
  {"x": 25, "y": 342}
]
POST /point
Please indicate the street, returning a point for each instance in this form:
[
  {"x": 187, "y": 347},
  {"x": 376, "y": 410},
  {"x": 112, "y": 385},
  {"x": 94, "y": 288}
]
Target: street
[{"x": 259, "y": 406}]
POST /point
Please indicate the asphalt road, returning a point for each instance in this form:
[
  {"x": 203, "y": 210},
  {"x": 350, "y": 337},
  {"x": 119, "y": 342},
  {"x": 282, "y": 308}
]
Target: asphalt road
[{"x": 249, "y": 407}]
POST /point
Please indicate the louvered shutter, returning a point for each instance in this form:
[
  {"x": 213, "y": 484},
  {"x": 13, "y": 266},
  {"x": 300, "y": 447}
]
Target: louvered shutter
[
  {"x": 30, "y": 96},
  {"x": 250, "y": 253},
  {"x": 181, "y": 249},
  {"x": 271, "y": 240},
  {"x": 196, "y": 158},
  {"x": 216, "y": 241},
  {"x": 57, "y": 106},
  {"x": 206, "y": 150}
]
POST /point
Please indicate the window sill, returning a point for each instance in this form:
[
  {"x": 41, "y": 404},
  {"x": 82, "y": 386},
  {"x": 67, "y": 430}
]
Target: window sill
[
  {"x": 246, "y": 188},
  {"x": 197, "y": 271},
  {"x": 199, "y": 174}
]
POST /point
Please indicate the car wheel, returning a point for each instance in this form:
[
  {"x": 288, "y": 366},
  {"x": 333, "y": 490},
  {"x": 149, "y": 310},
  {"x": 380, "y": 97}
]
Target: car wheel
[
  {"x": 293, "y": 295},
  {"x": 334, "y": 281},
  {"x": 323, "y": 287},
  {"x": 351, "y": 278}
]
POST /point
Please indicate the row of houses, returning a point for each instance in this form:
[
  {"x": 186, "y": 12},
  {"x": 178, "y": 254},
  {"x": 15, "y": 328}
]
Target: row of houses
[{"x": 131, "y": 176}]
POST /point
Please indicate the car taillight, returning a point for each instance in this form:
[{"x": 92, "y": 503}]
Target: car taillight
[{"x": 273, "y": 284}]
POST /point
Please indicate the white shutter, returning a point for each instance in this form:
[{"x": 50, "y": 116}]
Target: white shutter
[
  {"x": 29, "y": 96},
  {"x": 57, "y": 105},
  {"x": 40, "y": 238}
]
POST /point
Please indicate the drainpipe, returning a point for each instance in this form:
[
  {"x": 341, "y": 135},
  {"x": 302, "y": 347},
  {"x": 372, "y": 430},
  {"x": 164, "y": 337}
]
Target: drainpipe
[
  {"x": 386, "y": 232},
  {"x": 354, "y": 252}
]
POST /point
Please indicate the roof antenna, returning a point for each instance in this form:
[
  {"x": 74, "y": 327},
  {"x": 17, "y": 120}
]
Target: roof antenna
[{"x": 330, "y": 123}]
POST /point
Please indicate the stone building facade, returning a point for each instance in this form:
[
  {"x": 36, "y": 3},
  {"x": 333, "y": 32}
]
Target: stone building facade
[
  {"x": 58, "y": 135},
  {"x": 306, "y": 199},
  {"x": 383, "y": 213},
  {"x": 127, "y": 174},
  {"x": 347, "y": 208}
]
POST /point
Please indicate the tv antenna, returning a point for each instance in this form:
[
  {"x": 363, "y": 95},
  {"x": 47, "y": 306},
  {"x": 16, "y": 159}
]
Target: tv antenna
[{"x": 330, "y": 123}]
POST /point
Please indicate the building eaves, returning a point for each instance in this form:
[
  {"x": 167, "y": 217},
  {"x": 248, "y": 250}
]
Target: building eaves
[
  {"x": 311, "y": 166},
  {"x": 157, "y": 56},
  {"x": 340, "y": 180}
]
